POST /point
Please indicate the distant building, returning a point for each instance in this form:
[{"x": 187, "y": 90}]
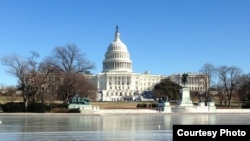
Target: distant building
[{"x": 195, "y": 81}]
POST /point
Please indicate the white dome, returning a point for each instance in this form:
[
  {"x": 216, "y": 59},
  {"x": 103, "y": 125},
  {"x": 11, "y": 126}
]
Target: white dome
[
  {"x": 117, "y": 46},
  {"x": 117, "y": 57}
]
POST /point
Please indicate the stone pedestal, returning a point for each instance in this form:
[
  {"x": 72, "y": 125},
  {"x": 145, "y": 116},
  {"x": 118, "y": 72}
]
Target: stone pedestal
[
  {"x": 202, "y": 104},
  {"x": 185, "y": 104},
  {"x": 210, "y": 103},
  {"x": 80, "y": 106},
  {"x": 211, "y": 106},
  {"x": 165, "y": 107},
  {"x": 185, "y": 97},
  {"x": 202, "y": 107}
]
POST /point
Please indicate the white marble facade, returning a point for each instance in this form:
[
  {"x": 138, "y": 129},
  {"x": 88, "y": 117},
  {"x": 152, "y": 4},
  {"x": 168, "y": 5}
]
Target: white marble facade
[
  {"x": 195, "y": 81},
  {"x": 118, "y": 82}
]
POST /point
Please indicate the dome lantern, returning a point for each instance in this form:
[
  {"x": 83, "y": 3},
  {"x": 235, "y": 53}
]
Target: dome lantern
[{"x": 117, "y": 34}]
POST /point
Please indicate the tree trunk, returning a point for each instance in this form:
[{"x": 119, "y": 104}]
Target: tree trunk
[{"x": 25, "y": 101}]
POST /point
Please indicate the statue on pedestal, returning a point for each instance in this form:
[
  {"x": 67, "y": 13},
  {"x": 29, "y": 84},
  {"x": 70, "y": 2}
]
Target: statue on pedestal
[
  {"x": 184, "y": 78},
  {"x": 79, "y": 100}
]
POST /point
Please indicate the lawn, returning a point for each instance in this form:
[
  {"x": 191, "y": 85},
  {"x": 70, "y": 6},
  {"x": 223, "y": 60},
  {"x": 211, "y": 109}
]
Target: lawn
[{"x": 120, "y": 104}]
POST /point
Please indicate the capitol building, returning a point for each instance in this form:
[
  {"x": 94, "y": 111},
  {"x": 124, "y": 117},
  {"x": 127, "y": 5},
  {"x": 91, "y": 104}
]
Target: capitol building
[{"x": 118, "y": 82}]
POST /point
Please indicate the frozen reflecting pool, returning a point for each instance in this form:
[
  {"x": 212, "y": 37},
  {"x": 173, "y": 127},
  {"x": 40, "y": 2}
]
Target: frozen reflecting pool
[{"x": 129, "y": 127}]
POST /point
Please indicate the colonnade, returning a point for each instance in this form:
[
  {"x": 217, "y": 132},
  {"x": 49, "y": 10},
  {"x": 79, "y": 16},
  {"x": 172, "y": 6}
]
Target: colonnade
[{"x": 117, "y": 65}]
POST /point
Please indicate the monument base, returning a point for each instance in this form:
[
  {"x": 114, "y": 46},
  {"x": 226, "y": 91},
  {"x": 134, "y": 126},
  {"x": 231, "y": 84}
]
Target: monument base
[
  {"x": 185, "y": 97},
  {"x": 201, "y": 104},
  {"x": 80, "y": 106},
  {"x": 185, "y": 104},
  {"x": 84, "y": 108},
  {"x": 212, "y": 107},
  {"x": 210, "y": 103},
  {"x": 164, "y": 107},
  {"x": 205, "y": 109},
  {"x": 184, "y": 108}
]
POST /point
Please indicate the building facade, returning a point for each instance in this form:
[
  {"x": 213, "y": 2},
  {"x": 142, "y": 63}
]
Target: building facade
[
  {"x": 118, "y": 82},
  {"x": 195, "y": 81}
]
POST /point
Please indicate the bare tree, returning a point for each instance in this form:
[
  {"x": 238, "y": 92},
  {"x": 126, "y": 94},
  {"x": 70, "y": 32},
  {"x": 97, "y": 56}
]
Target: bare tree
[
  {"x": 18, "y": 67},
  {"x": 221, "y": 94},
  {"x": 229, "y": 76},
  {"x": 38, "y": 76},
  {"x": 72, "y": 65},
  {"x": 33, "y": 77},
  {"x": 76, "y": 84},
  {"x": 61, "y": 70},
  {"x": 70, "y": 59},
  {"x": 208, "y": 71},
  {"x": 48, "y": 78},
  {"x": 244, "y": 87},
  {"x": 86, "y": 88},
  {"x": 31, "y": 74}
]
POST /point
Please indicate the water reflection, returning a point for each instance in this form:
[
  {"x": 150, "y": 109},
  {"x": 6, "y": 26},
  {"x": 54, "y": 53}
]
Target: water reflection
[{"x": 106, "y": 127}]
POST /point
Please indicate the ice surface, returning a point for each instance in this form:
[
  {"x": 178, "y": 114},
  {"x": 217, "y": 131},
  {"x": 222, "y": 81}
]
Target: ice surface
[{"x": 131, "y": 127}]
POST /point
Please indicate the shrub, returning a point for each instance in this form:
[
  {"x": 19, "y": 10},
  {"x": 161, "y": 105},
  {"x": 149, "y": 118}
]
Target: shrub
[
  {"x": 63, "y": 105},
  {"x": 77, "y": 110},
  {"x": 141, "y": 105},
  {"x": 154, "y": 105},
  {"x": 13, "y": 107},
  {"x": 60, "y": 110},
  {"x": 1, "y": 105},
  {"x": 52, "y": 106},
  {"x": 36, "y": 107},
  {"x": 246, "y": 105}
]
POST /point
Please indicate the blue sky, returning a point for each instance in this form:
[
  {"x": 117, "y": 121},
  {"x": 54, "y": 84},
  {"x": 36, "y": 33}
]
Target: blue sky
[{"x": 162, "y": 36}]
